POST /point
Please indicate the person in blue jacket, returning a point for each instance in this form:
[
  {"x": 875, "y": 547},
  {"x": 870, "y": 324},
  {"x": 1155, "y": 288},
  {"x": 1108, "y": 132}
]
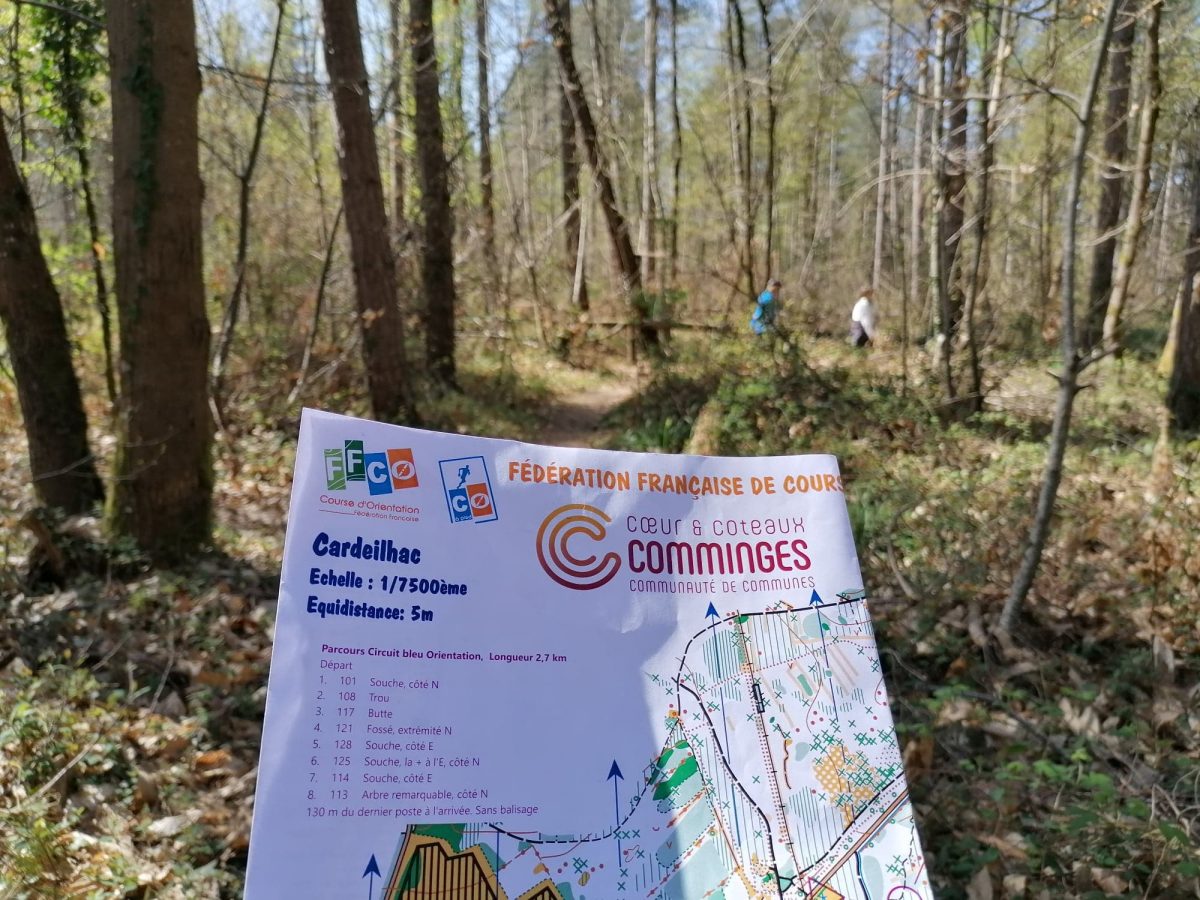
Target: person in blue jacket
[{"x": 767, "y": 308}]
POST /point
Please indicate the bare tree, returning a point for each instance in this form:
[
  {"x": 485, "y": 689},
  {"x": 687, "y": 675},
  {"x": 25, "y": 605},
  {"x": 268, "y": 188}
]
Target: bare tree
[
  {"x": 396, "y": 142},
  {"x": 916, "y": 209},
  {"x": 885, "y": 133},
  {"x": 245, "y": 179},
  {"x": 764, "y": 12},
  {"x": 1111, "y": 174},
  {"x": 366, "y": 222},
  {"x": 1183, "y": 395},
  {"x": 618, "y": 230},
  {"x": 1073, "y": 361},
  {"x": 570, "y": 186},
  {"x": 741, "y": 140},
  {"x": 649, "y": 142},
  {"x": 676, "y": 148},
  {"x": 939, "y": 262},
  {"x": 64, "y": 474},
  {"x": 486, "y": 202},
  {"x": 955, "y": 181},
  {"x": 997, "y": 56},
  {"x": 437, "y": 244},
  {"x": 1134, "y": 219}
]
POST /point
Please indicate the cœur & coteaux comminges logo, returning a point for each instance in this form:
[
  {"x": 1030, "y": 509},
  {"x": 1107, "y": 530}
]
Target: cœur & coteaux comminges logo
[{"x": 580, "y": 573}]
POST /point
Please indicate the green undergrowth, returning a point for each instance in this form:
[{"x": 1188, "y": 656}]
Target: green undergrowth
[{"x": 1063, "y": 761}]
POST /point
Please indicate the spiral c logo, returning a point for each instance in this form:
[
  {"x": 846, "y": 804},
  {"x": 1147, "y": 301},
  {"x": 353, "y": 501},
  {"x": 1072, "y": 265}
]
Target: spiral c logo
[{"x": 553, "y": 551}]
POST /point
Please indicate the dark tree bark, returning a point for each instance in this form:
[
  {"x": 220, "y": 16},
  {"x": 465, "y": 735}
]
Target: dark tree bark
[
  {"x": 646, "y": 240},
  {"x": 163, "y": 479},
  {"x": 1147, "y": 125},
  {"x": 1183, "y": 396},
  {"x": 395, "y": 43},
  {"x": 954, "y": 210},
  {"x": 939, "y": 263},
  {"x": 64, "y": 474},
  {"x": 437, "y": 245},
  {"x": 741, "y": 140},
  {"x": 885, "y": 134},
  {"x": 618, "y": 229},
  {"x": 1112, "y": 175},
  {"x": 570, "y": 183},
  {"x": 676, "y": 148},
  {"x": 366, "y": 221},
  {"x": 912, "y": 296},
  {"x": 764, "y": 11},
  {"x": 977, "y": 275}
]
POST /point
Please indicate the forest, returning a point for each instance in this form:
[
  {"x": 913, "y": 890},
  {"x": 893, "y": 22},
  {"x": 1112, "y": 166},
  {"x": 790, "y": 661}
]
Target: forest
[{"x": 552, "y": 222}]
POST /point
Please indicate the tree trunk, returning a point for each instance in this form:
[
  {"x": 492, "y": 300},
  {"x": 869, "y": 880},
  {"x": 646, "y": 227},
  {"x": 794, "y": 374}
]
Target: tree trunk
[
  {"x": 579, "y": 280},
  {"x": 366, "y": 221},
  {"x": 955, "y": 185},
  {"x": 676, "y": 148},
  {"x": 64, "y": 474},
  {"x": 437, "y": 245},
  {"x": 1112, "y": 175},
  {"x": 18, "y": 81},
  {"x": 741, "y": 136},
  {"x": 72, "y": 94},
  {"x": 1148, "y": 121},
  {"x": 938, "y": 257},
  {"x": 916, "y": 211},
  {"x": 395, "y": 44},
  {"x": 486, "y": 202},
  {"x": 98, "y": 276},
  {"x": 1183, "y": 396},
  {"x": 885, "y": 132},
  {"x": 1165, "y": 214},
  {"x": 997, "y": 57},
  {"x": 245, "y": 188},
  {"x": 570, "y": 185},
  {"x": 1068, "y": 380},
  {"x": 618, "y": 230},
  {"x": 764, "y": 11},
  {"x": 318, "y": 305},
  {"x": 649, "y": 143},
  {"x": 163, "y": 479}
]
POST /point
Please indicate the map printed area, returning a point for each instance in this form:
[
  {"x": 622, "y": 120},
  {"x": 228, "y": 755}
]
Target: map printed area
[
  {"x": 820, "y": 812},
  {"x": 504, "y": 671}
]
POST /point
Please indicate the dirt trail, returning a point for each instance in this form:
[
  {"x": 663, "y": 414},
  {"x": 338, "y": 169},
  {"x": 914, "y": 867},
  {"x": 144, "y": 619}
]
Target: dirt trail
[{"x": 574, "y": 419}]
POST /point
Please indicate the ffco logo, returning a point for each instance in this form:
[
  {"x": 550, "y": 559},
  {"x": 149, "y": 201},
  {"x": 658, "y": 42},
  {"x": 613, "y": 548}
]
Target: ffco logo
[{"x": 391, "y": 470}]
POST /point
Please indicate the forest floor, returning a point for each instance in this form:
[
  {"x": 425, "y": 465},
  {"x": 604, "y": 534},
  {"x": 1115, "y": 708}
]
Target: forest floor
[
  {"x": 578, "y": 419},
  {"x": 1062, "y": 763}
]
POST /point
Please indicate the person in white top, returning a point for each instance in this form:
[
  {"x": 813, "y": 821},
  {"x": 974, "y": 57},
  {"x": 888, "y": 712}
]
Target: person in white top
[{"x": 863, "y": 319}]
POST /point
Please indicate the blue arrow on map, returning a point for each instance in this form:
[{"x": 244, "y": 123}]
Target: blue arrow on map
[
  {"x": 372, "y": 869},
  {"x": 615, "y": 776},
  {"x": 816, "y": 600},
  {"x": 716, "y": 620}
]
